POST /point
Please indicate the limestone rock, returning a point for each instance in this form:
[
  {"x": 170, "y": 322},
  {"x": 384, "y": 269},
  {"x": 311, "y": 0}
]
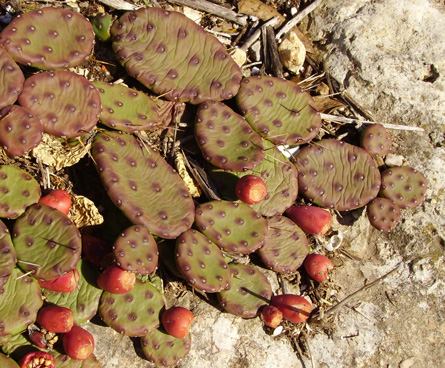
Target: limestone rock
[{"x": 292, "y": 52}]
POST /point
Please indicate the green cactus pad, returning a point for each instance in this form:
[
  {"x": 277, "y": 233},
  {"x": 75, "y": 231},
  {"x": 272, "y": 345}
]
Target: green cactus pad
[
  {"x": 6, "y": 362},
  {"x": 163, "y": 349},
  {"x": 278, "y": 110},
  {"x": 20, "y": 300},
  {"x": 286, "y": 245},
  {"x": 47, "y": 242},
  {"x": 143, "y": 185},
  {"x": 7, "y": 254},
  {"x": 225, "y": 138},
  {"x": 160, "y": 49},
  {"x": 64, "y": 361},
  {"x": 135, "y": 313},
  {"x": 67, "y": 104},
  {"x": 126, "y": 109},
  {"x": 279, "y": 175},
  {"x": 234, "y": 227},
  {"x": 18, "y": 190},
  {"x": 136, "y": 250},
  {"x": 249, "y": 290},
  {"x": 12, "y": 79},
  {"x": 49, "y": 38},
  {"x": 84, "y": 301},
  {"x": 337, "y": 175},
  {"x": 404, "y": 186},
  {"x": 375, "y": 140},
  {"x": 20, "y": 131},
  {"x": 383, "y": 214},
  {"x": 102, "y": 26},
  {"x": 201, "y": 262}
]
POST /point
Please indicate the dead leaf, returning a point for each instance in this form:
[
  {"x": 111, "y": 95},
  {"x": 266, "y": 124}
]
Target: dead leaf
[{"x": 259, "y": 9}]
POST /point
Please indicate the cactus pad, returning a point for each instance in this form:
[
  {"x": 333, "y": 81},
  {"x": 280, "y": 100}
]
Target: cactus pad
[
  {"x": 84, "y": 301},
  {"x": 337, "y": 175},
  {"x": 279, "y": 175},
  {"x": 404, "y": 186},
  {"x": 102, "y": 26},
  {"x": 286, "y": 245},
  {"x": 7, "y": 255},
  {"x": 234, "y": 227},
  {"x": 20, "y": 131},
  {"x": 136, "y": 250},
  {"x": 225, "y": 138},
  {"x": 135, "y": 313},
  {"x": 64, "y": 361},
  {"x": 18, "y": 190},
  {"x": 201, "y": 262},
  {"x": 159, "y": 48},
  {"x": 6, "y": 362},
  {"x": 278, "y": 110},
  {"x": 67, "y": 104},
  {"x": 143, "y": 185},
  {"x": 49, "y": 38},
  {"x": 249, "y": 290},
  {"x": 12, "y": 79},
  {"x": 375, "y": 140},
  {"x": 47, "y": 243},
  {"x": 126, "y": 109},
  {"x": 383, "y": 214},
  {"x": 163, "y": 349},
  {"x": 20, "y": 300}
]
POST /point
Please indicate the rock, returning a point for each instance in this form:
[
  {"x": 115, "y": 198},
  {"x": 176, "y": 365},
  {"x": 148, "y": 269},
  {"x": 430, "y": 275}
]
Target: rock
[
  {"x": 240, "y": 56},
  {"x": 393, "y": 160},
  {"x": 292, "y": 52}
]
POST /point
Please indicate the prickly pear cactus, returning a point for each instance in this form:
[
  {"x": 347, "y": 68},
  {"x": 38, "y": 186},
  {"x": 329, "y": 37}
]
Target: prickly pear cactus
[
  {"x": 6, "y": 362},
  {"x": 234, "y": 227},
  {"x": 286, "y": 245},
  {"x": 49, "y": 38},
  {"x": 8, "y": 257},
  {"x": 141, "y": 183},
  {"x": 337, "y": 175},
  {"x": 20, "y": 131},
  {"x": 163, "y": 349},
  {"x": 84, "y": 301},
  {"x": 375, "y": 140},
  {"x": 135, "y": 313},
  {"x": 280, "y": 176},
  {"x": 225, "y": 138},
  {"x": 67, "y": 104},
  {"x": 404, "y": 186},
  {"x": 64, "y": 361},
  {"x": 12, "y": 79},
  {"x": 201, "y": 262},
  {"x": 159, "y": 48},
  {"x": 102, "y": 23},
  {"x": 136, "y": 250},
  {"x": 126, "y": 109},
  {"x": 18, "y": 190},
  {"x": 249, "y": 290},
  {"x": 278, "y": 110},
  {"x": 383, "y": 214},
  {"x": 20, "y": 300},
  {"x": 47, "y": 243}
]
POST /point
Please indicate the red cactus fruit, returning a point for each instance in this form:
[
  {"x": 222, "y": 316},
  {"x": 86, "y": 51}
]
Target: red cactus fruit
[
  {"x": 295, "y": 308},
  {"x": 78, "y": 343},
  {"x": 97, "y": 251},
  {"x": 116, "y": 280},
  {"x": 250, "y": 189},
  {"x": 177, "y": 321},
  {"x": 58, "y": 199},
  {"x": 312, "y": 220},
  {"x": 38, "y": 338},
  {"x": 55, "y": 319},
  {"x": 63, "y": 284},
  {"x": 37, "y": 359},
  {"x": 272, "y": 316},
  {"x": 318, "y": 266}
]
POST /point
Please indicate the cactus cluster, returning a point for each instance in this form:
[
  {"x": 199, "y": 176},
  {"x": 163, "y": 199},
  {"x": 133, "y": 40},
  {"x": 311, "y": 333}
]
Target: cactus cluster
[{"x": 150, "y": 213}]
